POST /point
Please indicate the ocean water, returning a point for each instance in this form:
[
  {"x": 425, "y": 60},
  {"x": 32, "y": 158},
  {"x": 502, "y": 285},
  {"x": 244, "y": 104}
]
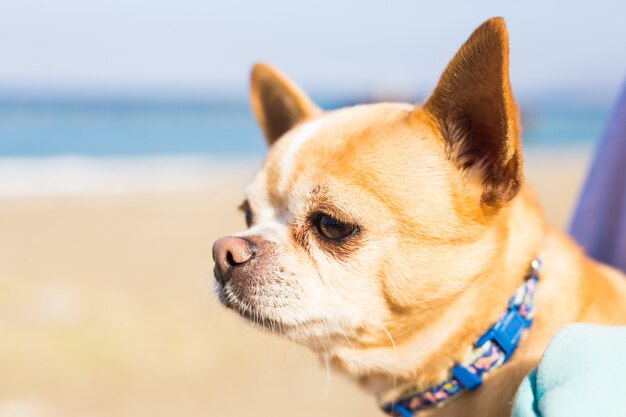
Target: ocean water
[
  {"x": 111, "y": 128},
  {"x": 104, "y": 128}
]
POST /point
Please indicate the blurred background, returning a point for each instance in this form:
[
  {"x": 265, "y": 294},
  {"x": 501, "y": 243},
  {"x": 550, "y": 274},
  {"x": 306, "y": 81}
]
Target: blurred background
[{"x": 125, "y": 143}]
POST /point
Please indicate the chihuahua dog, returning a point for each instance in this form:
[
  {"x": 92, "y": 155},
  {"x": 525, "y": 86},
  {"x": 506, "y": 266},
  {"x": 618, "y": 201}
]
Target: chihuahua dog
[{"x": 394, "y": 236}]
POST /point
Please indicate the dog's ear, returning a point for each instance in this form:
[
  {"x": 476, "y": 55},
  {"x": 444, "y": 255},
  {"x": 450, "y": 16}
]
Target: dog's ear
[
  {"x": 278, "y": 104},
  {"x": 475, "y": 110}
]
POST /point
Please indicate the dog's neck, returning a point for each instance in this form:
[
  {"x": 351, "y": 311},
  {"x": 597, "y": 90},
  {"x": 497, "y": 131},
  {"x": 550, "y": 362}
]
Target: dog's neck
[{"x": 426, "y": 358}]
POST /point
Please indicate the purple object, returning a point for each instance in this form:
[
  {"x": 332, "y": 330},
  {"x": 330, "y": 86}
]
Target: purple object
[{"x": 599, "y": 224}]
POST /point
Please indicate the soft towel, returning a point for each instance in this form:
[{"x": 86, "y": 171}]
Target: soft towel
[{"x": 582, "y": 374}]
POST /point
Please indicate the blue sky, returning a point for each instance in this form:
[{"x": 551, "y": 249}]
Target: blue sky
[{"x": 353, "y": 47}]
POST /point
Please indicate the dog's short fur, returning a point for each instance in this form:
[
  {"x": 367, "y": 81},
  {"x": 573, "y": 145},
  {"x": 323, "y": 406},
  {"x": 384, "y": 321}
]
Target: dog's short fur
[{"x": 441, "y": 231}]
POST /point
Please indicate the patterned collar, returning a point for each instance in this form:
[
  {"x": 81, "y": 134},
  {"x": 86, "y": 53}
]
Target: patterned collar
[{"x": 491, "y": 350}]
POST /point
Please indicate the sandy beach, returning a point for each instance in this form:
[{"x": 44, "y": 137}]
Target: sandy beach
[{"x": 106, "y": 307}]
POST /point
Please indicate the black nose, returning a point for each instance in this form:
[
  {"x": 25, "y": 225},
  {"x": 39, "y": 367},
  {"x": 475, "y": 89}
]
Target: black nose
[{"x": 230, "y": 253}]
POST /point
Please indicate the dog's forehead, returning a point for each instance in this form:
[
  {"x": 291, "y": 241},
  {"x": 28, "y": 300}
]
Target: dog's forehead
[
  {"x": 342, "y": 143},
  {"x": 345, "y": 143}
]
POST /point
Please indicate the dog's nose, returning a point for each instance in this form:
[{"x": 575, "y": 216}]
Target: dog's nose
[{"x": 229, "y": 253}]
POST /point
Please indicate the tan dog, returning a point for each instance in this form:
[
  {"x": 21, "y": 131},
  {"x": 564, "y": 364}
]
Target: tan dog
[{"x": 393, "y": 235}]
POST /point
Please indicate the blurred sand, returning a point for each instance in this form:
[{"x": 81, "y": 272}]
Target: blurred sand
[{"x": 106, "y": 308}]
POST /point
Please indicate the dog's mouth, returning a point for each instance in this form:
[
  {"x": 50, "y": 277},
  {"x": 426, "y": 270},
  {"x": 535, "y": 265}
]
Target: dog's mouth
[{"x": 249, "y": 310}]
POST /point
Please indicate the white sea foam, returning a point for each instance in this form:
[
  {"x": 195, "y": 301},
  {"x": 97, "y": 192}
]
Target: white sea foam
[{"x": 75, "y": 175}]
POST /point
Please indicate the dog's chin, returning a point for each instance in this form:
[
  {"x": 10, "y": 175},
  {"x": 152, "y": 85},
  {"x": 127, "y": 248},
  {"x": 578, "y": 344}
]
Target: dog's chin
[{"x": 305, "y": 332}]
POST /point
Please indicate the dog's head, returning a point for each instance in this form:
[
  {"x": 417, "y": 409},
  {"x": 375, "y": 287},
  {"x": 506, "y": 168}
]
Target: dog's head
[{"x": 369, "y": 223}]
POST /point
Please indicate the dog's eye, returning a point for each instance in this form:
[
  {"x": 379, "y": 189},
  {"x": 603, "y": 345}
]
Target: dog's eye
[
  {"x": 248, "y": 215},
  {"x": 334, "y": 229}
]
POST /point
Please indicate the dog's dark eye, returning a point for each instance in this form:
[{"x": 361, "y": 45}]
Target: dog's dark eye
[
  {"x": 334, "y": 229},
  {"x": 248, "y": 215}
]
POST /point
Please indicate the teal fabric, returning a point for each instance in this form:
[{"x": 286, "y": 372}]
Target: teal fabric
[{"x": 582, "y": 374}]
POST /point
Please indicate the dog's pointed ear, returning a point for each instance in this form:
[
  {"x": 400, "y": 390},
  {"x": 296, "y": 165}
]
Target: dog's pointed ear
[
  {"x": 278, "y": 104},
  {"x": 473, "y": 106}
]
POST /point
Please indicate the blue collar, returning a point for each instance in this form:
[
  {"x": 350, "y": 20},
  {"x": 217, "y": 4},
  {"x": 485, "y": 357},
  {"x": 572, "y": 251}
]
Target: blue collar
[{"x": 490, "y": 352}]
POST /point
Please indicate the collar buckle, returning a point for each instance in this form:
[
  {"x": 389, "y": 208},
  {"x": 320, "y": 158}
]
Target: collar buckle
[{"x": 506, "y": 332}]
